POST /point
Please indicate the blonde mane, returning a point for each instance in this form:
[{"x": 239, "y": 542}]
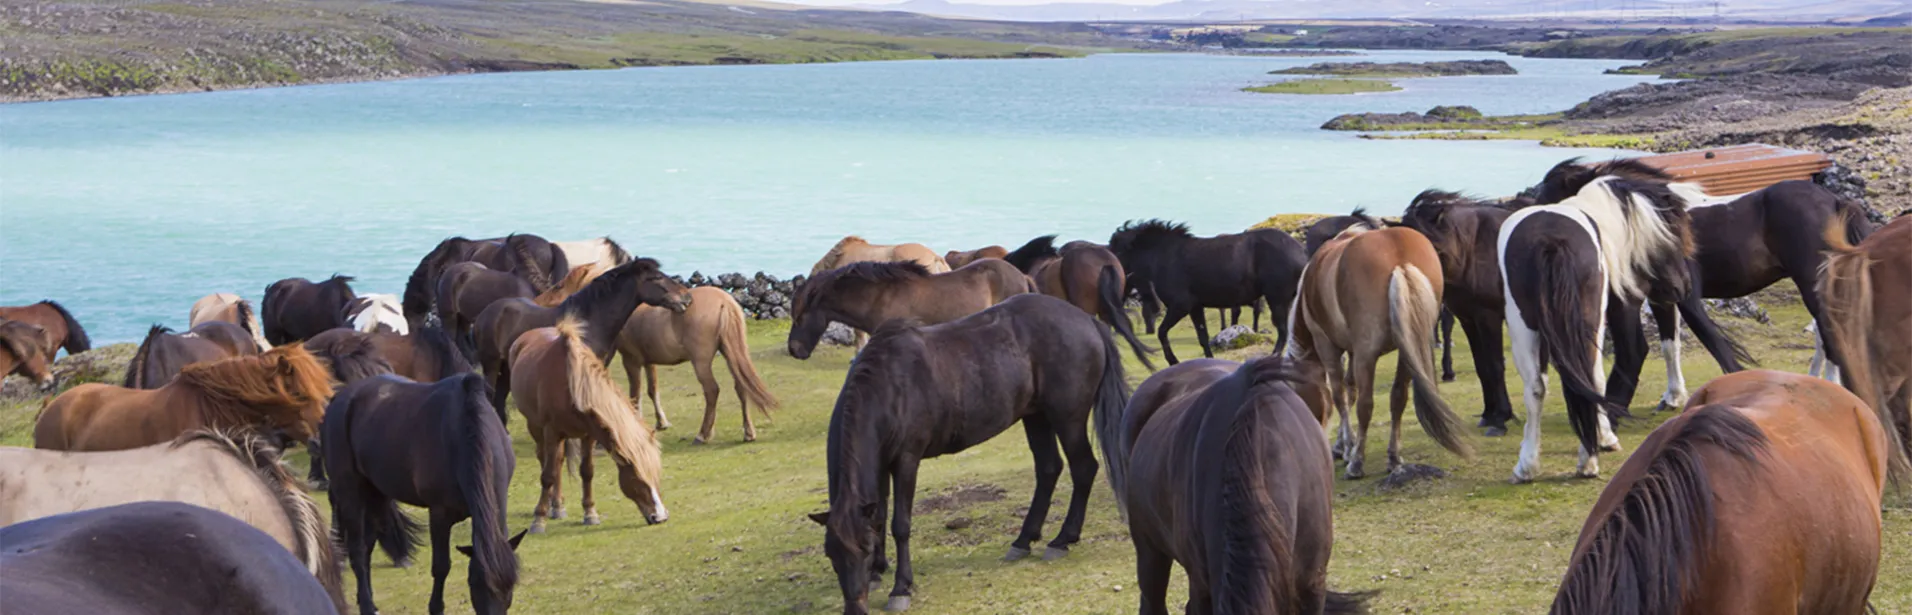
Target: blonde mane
[
  {"x": 310, "y": 532},
  {"x": 1630, "y": 232},
  {"x": 286, "y": 385},
  {"x": 593, "y": 392},
  {"x": 570, "y": 285},
  {"x": 834, "y": 257}
]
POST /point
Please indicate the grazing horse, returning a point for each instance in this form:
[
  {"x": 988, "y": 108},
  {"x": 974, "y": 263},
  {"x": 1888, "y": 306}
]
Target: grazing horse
[
  {"x": 922, "y": 392},
  {"x": 1618, "y": 238},
  {"x": 1762, "y": 497},
  {"x": 59, "y": 325},
  {"x": 957, "y": 258},
  {"x": 1367, "y": 293},
  {"x": 1188, "y": 273},
  {"x": 564, "y": 392},
  {"x": 1868, "y": 310},
  {"x": 866, "y": 295},
  {"x": 854, "y": 249},
  {"x": 604, "y": 305},
  {"x": 24, "y": 348},
  {"x": 152, "y": 557},
  {"x": 1087, "y": 276},
  {"x": 297, "y": 308},
  {"x": 1226, "y": 475},
  {"x": 466, "y": 289},
  {"x": 439, "y": 446},
  {"x": 280, "y": 392},
  {"x": 228, "y": 307},
  {"x": 371, "y": 313},
  {"x": 531, "y": 257},
  {"x": 713, "y": 323},
  {"x": 163, "y": 353},
  {"x": 602, "y": 253},
  {"x": 240, "y": 476}
]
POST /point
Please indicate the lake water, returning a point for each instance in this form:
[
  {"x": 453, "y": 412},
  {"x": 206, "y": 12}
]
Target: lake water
[{"x": 126, "y": 210}]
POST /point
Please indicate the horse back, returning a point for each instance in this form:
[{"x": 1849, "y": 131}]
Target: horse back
[
  {"x": 45, "y": 483},
  {"x": 102, "y": 417}
]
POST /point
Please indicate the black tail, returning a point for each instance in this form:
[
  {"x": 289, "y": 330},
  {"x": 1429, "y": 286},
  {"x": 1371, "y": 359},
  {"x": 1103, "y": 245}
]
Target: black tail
[
  {"x": 76, "y": 339},
  {"x": 1250, "y": 571},
  {"x": 477, "y": 439},
  {"x": 1027, "y": 255},
  {"x": 1349, "y": 603},
  {"x": 1567, "y": 338},
  {"x": 1110, "y": 308},
  {"x": 1111, "y": 402},
  {"x": 136, "y": 369},
  {"x": 440, "y": 344},
  {"x": 353, "y": 358}
]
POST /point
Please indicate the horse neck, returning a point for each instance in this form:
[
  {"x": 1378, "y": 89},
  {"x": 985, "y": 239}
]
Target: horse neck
[
  {"x": 605, "y": 313},
  {"x": 856, "y": 451},
  {"x": 864, "y": 307}
]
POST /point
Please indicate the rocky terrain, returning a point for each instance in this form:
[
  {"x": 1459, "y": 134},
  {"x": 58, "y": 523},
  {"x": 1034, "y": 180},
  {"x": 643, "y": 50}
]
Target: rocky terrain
[
  {"x": 762, "y": 296},
  {"x": 1402, "y": 69}
]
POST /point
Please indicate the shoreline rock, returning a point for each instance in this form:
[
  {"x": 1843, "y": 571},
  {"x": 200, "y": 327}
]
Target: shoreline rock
[{"x": 1403, "y": 69}]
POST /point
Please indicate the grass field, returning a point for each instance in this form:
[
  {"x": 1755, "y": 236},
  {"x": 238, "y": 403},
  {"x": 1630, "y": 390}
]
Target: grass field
[
  {"x": 1324, "y": 86},
  {"x": 738, "y": 542}
]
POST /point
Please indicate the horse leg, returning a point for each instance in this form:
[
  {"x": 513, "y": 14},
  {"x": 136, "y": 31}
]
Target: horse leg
[
  {"x": 357, "y": 528},
  {"x": 315, "y": 475},
  {"x": 1042, "y": 444},
  {"x": 1363, "y": 391},
  {"x": 709, "y": 380},
  {"x": 1446, "y": 338},
  {"x": 1280, "y": 305},
  {"x": 743, "y": 403},
  {"x": 1254, "y": 322},
  {"x": 1397, "y": 405},
  {"x": 1667, "y": 317},
  {"x": 1150, "y": 310},
  {"x": 1490, "y": 366},
  {"x": 1170, "y": 316},
  {"x": 1201, "y": 332},
  {"x": 551, "y": 462},
  {"x": 1234, "y": 316},
  {"x": 1337, "y": 376},
  {"x": 650, "y": 387},
  {"x": 1152, "y": 568},
  {"x": 1074, "y": 436},
  {"x": 1527, "y": 359},
  {"x": 587, "y": 469},
  {"x": 1589, "y": 466},
  {"x": 905, "y": 482},
  {"x": 441, "y": 522},
  {"x": 1629, "y": 349}
]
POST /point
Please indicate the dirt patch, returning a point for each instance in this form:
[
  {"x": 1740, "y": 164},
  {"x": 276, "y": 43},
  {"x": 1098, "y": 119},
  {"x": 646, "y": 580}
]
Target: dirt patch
[{"x": 962, "y": 496}]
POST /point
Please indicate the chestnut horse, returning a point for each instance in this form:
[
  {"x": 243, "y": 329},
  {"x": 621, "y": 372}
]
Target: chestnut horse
[
  {"x": 24, "y": 348},
  {"x": 58, "y": 323},
  {"x": 1868, "y": 294},
  {"x": 1367, "y": 293},
  {"x": 854, "y": 249},
  {"x": 866, "y": 295},
  {"x": 1762, "y": 497},
  {"x": 283, "y": 391},
  {"x": 957, "y": 258},
  {"x": 712, "y": 324},
  {"x": 163, "y": 353},
  {"x": 228, "y": 307},
  {"x": 564, "y": 392},
  {"x": 297, "y": 308},
  {"x": 1086, "y": 275}
]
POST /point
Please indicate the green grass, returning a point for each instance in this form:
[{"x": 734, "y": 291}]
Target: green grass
[
  {"x": 738, "y": 542},
  {"x": 1324, "y": 87}
]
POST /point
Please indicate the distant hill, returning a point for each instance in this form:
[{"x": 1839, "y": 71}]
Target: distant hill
[{"x": 1235, "y": 10}]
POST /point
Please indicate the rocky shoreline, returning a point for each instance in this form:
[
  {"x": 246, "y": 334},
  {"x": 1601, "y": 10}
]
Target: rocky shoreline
[{"x": 1403, "y": 69}]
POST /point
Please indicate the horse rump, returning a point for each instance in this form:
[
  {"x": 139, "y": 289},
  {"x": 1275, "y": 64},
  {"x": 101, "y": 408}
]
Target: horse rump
[
  {"x": 1110, "y": 305},
  {"x": 1413, "y": 310}
]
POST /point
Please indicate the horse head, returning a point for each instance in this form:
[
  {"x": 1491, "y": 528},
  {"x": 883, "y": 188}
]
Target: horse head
[{"x": 24, "y": 349}]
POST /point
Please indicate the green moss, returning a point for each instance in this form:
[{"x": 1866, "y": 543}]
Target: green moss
[{"x": 1324, "y": 87}]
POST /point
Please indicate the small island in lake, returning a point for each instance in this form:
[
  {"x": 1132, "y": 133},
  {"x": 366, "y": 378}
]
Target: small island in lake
[
  {"x": 1324, "y": 86},
  {"x": 1403, "y": 69}
]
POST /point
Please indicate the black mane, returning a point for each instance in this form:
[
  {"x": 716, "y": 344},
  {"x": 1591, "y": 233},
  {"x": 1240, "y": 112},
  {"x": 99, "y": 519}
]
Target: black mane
[
  {"x": 137, "y": 366},
  {"x": 424, "y": 279},
  {"x": 1147, "y": 234},
  {"x": 1570, "y": 176},
  {"x": 618, "y": 255},
  {"x": 1027, "y": 255},
  {"x": 607, "y": 284}
]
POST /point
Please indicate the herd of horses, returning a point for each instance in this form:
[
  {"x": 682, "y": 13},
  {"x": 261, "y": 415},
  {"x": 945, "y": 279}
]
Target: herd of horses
[{"x": 1762, "y": 496}]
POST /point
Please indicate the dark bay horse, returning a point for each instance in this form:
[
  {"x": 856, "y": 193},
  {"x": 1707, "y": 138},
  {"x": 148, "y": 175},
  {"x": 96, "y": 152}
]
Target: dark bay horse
[
  {"x": 439, "y": 446},
  {"x": 1325, "y": 229},
  {"x": 1187, "y": 273},
  {"x": 163, "y": 353},
  {"x": 466, "y": 289},
  {"x": 281, "y": 392},
  {"x": 152, "y": 557},
  {"x": 867, "y": 294},
  {"x": 540, "y": 262},
  {"x": 297, "y": 308},
  {"x": 920, "y": 392},
  {"x": 1087, "y": 276},
  {"x": 24, "y": 350},
  {"x": 427, "y": 354},
  {"x": 1465, "y": 233},
  {"x": 59, "y": 325},
  {"x": 1227, "y": 474},
  {"x": 1867, "y": 291},
  {"x": 1761, "y": 498}
]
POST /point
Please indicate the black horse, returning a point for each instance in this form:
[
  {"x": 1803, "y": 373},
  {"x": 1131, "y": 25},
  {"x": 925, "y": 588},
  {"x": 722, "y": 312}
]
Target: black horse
[
  {"x": 440, "y": 446},
  {"x": 163, "y": 353},
  {"x": 1187, "y": 273},
  {"x": 1464, "y": 232},
  {"x": 466, "y": 289},
  {"x": 153, "y": 557},
  {"x": 528, "y": 256},
  {"x": 357, "y": 355},
  {"x": 921, "y": 392},
  {"x": 1085, "y": 274},
  {"x": 297, "y": 308}
]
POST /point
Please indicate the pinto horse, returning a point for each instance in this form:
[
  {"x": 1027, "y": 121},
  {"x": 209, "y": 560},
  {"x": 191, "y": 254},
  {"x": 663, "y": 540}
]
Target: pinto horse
[
  {"x": 1367, "y": 293},
  {"x": 1762, "y": 497},
  {"x": 712, "y": 324},
  {"x": 56, "y": 321},
  {"x": 24, "y": 348},
  {"x": 1465, "y": 234},
  {"x": 228, "y": 307},
  {"x": 540, "y": 262},
  {"x": 283, "y": 391},
  {"x": 1226, "y": 475},
  {"x": 376, "y": 312},
  {"x": 1086, "y": 275},
  {"x": 921, "y": 392},
  {"x": 163, "y": 353},
  {"x": 1187, "y": 273},
  {"x": 957, "y": 258},
  {"x": 297, "y": 308},
  {"x": 1867, "y": 291},
  {"x": 603, "y": 253},
  {"x": 866, "y": 295}
]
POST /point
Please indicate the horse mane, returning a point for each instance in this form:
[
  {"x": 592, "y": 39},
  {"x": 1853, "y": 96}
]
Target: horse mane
[
  {"x": 309, "y": 529},
  {"x": 76, "y": 339},
  {"x": 137, "y": 367},
  {"x": 1037, "y": 249},
  {"x": 528, "y": 262},
  {"x": 571, "y": 284},
  {"x": 850, "y": 500},
  {"x": 593, "y": 392},
  {"x": 618, "y": 255},
  {"x": 1845, "y": 286},
  {"x": 1251, "y": 572},
  {"x": 1147, "y": 234},
  {"x": 353, "y": 357},
  {"x": 1645, "y": 554},
  {"x": 475, "y": 473},
  {"x": 605, "y": 284},
  {"x": 286, "y": 384},
  {"x": 423, "y": 282},
  {"x": 437, "y": 341},
  {"x": 337, "y": 279},
  {"x": 830, "y": 259},
  {"x": 1360, "y": 214},
  {"x": 1642, "y": 229},
  {"x": 243, "y": 308}
]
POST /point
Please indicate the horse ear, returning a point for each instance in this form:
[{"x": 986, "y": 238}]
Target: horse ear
[
  {"x": 518, "y": 539},
  {"x": 466, "y": 549},
  {"x": 822, "y": 518}
]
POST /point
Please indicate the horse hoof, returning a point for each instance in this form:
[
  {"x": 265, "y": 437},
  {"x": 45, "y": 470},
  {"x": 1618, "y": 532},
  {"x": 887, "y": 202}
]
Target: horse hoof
[
  {"x": 897, "y": 603},
  {"x": 1610, "y": 448},
  {"x": 402, "y": 563},
  {"x": 1054, "y": 553},
  {"x": 1520, "y": 480},
  {"x": 663, "y": 426},
  {"x": 557, "y": 513},
  {"x": 1447, "y": 377},
  {"x": 698, "y": 441},
  {"x": 319, "y": 485},
  {"x": 536, "y": 528},
  {"x": 593, "y": 519},
  {"x": 750, "y": 437},
  {"x": 1496, "y": 431},
  {"x": 1015, "y": 554}
]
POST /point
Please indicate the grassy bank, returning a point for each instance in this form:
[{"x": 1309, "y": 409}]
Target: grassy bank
[
  {"x": 737, "y": 541},
  {"x": 1324, "y": 87}
]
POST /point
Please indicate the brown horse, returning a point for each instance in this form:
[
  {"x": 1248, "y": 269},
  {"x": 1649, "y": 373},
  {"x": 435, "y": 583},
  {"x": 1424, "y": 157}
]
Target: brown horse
[
  {"x": 58, "y": 323},
  {"x": 531, "y": 257},
  {"x": 1226, "y": 474},
  {"x": 228, "y": 307},
  {"x": 1086, "y": 275},
  {"x": 1763, "y": 497},
  {"x": 564, "y": 392},
  {"x": 1868, "y": 294},
  {"x": 240, "y": 476},
  {"x": 956, "y": 259},
  {"x": 163, "y": 353},
  {"x": 24, "y": 350},
  {"x": 714, "y": 323},
  {"x": 425, "y": 355},
  {"x": 854, "y": 249},
  {"x": 282, "y": 391},
  {"x": 1365, "y": 294},
  {"x": 865, "y": 295},
  {"x": 465, "y": 289}
]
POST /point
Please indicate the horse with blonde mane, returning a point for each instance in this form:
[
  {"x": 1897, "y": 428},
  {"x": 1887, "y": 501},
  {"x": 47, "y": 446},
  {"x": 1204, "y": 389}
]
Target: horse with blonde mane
[
  {"x": 580, "y": 276},
  {"x": 854, "y": 249},
  {"x": 24, "y": 350},
  {"x": 866, "y": 295},
  {"x": 228, "y": 308},
  {"x": 280, "y": 393},
  {"x": 242, "y": 476},
  {"x": 602, "y": 253},
  {"x": 1868, "y": 311},
  {"x": 565, "y": 392},
  {"x": 713, "y": 324}
]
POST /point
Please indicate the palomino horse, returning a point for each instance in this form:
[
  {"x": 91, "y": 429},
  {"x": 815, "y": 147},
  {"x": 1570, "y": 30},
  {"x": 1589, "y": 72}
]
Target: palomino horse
[
  {"x": 58, "y": 323},
  {"x": 297, "y": 308},
  {"x": 466, "y": 289},
  {"x": 1619, "y": 238},
  {"x": 228, "y": 307},
  {"x": 854, "y": 249},
  {"x": 440, "y": 446},
  {"x": 866, "y": 295},
  {"x": 242, "y": 477},
  {"x": 280, "y": 392},
  {"x": 1367, "y": 293},
  {"x": 713, "y": 323},
  {"x": 1465, "y": 232},
  {"x": 957, "y": 258},
  {"x": 372, "y": 313},
  {"x": 603, "y": 305},
  {"x": 1763, "y": 497},
  {"x": 602, "y": 253},
  {"x": 1187, "y": 273},
  {"x": 1868, "y": 293},
  {"x": 152, "y": 557},
  {"x": 922, "y": 392},
  {"x": 163, "y": 353},
  {"x": 24, "y": 348},
  {"x": 564, "y": 392},
  {"x": 1226, "y": 475},
  {"x": 539, "y": 262},
  {"x": 1087, "y": 276}
]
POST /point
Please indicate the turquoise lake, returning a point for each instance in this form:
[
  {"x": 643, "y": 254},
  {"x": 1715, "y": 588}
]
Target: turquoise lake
[{"x": 128, "y": 209}]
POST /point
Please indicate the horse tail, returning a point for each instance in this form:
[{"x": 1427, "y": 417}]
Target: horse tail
[
  {"x": 1853, "y": 216},
  {"x": 313, "y": 540},
  {"x": 136, "y": 369},
  {"x": 354, "y": 358},
  {"x": 733, "y": 342},
  {"x": 1647, "y": 551},
  {"x": 1111, "y": 402},
  {"x": 443, "y": 347},
  {"x": 528, "y": 264},
  {"x": 476, "y": 435},
  {"x": 1251, "y": 571},
  {"x": 76, "y": 339},
  {"x": 1567, "y": 338},
  {"x": 1109, "y": 306},
  {"x": 1845, "y": 287},
  {"x": 250, "y": 322},
  {"x": 1412, "y": 310}
]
